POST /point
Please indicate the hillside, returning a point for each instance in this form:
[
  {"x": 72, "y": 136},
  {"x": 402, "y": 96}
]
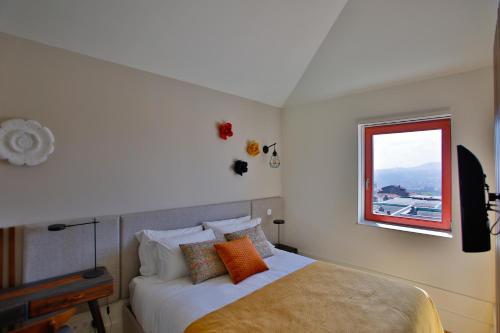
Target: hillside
[{"x": 423, "y": 179}]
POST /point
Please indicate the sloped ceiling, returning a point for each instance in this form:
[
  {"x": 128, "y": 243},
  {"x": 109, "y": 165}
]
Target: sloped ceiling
[
  {"x": 376, "y": 43},
  {"x": 270, "y": 51},
  {"x": 256, "y": 49}
]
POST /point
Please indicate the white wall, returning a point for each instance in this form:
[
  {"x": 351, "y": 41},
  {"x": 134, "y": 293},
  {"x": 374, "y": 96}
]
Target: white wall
[
  {"x": 126, "y": 140},
  {"x": 319, "y": 187}
]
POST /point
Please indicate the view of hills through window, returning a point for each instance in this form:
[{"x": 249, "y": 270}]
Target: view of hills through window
[{"x": 407, "y": 172}]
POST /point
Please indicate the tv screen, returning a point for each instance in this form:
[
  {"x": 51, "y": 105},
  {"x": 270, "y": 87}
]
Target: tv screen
[{"x": 475, "y": 225}]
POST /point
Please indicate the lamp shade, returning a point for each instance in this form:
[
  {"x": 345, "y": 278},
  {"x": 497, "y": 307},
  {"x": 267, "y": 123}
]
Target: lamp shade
[
  {"x": 274, "y": 162},
  {"x": 57, "y": 227}
]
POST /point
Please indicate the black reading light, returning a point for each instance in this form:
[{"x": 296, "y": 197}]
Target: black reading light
[
  {"x": 475, "y": 202},
  {"x": 91, "y": 273},
  {"x": 279, "y": 222}
]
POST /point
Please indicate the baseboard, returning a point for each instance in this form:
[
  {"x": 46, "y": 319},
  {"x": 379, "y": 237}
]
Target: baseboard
[
  {"x": 455, "y": 323},
  {"x": 459, "y": 313}
]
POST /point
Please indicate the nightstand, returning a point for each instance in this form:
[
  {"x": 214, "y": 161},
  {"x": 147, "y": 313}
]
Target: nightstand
[
  {"x": 36, "y": 299},
  {"x": 286, "y": 248}
]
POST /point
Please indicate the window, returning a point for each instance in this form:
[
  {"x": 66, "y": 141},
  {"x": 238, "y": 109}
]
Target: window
[{"x": 407, "y": 173}]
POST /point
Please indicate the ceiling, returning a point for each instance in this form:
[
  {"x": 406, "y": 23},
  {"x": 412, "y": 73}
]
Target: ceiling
[
  {"x": 377, "y": 43},
  {"x": 279, "y": 52},
  {"x": 257, "y": 49}
]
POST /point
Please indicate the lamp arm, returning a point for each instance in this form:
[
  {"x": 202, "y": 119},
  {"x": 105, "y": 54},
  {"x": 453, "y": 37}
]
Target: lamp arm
[
  {"x": 265, "y": 149},
  {"x": 79, "y": 224}
]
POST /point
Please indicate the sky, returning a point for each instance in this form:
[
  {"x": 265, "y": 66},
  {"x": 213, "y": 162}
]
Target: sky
[{"x": 409, "y": 149}]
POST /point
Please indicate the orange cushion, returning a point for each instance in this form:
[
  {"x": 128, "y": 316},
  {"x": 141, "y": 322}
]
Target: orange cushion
[{"x": 241, "y": 258}]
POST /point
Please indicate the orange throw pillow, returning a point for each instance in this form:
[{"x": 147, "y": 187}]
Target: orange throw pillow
[{"x": 241, "y": 258}]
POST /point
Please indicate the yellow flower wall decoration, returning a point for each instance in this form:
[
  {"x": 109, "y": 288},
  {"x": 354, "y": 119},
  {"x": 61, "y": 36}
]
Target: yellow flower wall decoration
[{"x": 253, "y": 148}]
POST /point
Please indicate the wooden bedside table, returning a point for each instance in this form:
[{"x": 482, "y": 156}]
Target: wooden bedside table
[
  {"x": 40, "y": 298},
  {"x": 286, "y": 248}
]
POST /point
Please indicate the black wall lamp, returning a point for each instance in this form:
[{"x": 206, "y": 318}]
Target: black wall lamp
[
  {"x": 279, "y": 222},
  {"x": 91, "y": 273},
  {"x": 274, "y": 162}
]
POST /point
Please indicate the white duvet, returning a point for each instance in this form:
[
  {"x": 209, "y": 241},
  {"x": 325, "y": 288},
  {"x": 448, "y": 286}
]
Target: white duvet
[{"x": 169, "y": 307}]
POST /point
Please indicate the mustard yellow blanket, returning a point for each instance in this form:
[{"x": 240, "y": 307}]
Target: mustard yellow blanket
[{"x": 324, "y": 297}]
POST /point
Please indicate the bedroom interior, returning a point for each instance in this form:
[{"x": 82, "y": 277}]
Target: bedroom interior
[{"x": 171, "y": 166}]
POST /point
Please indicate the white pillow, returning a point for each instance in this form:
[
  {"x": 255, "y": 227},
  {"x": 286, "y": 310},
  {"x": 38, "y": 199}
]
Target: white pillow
[
  {"x": 147, "y": 251},
  {"x": 156, "y": 234},
  {"x": 207, "y": 225},
  {"x": 171, "y": 262},
  {"x": 273, "y": 248},
  {"x": 220, "y": 230}
]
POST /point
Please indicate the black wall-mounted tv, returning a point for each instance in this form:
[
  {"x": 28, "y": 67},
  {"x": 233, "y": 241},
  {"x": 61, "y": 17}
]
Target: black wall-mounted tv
[{"x": 475, "y": 224}]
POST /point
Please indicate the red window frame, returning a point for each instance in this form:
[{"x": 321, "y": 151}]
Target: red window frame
[{"x": 445, "y": 126}]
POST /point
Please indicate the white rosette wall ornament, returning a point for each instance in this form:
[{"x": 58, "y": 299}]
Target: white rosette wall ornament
[{"x": 25, "y": 142}]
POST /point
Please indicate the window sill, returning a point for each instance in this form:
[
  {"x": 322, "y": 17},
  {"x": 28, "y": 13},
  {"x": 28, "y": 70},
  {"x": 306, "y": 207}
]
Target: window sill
[{"x": 445, "y": 234}]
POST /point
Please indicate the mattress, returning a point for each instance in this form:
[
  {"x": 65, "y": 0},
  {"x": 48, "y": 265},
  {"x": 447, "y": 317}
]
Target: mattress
[
  {"x": 169, "y": 307},
  {"x": 327, "y": 298}
]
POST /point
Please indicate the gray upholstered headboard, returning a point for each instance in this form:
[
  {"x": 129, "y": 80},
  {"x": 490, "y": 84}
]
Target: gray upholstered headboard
[
  {"x": 165, "y": 220},
  {"x": 186, "y": 217},
  {"x": 47, "y": 254}
]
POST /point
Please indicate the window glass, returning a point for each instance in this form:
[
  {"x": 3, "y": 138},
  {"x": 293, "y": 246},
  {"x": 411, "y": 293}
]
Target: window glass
[{"x": 407, "y": 174}]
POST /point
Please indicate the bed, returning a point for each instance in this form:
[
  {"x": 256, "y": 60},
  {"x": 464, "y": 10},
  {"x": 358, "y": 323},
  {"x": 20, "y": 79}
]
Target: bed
[
  {"x": 171, "y": 306},
  {"x": 293, "y": 295}
]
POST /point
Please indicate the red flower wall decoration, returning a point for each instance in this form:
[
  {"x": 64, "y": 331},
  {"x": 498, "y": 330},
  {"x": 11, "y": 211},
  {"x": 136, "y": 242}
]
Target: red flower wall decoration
[{"x": 225, "y": 130}]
